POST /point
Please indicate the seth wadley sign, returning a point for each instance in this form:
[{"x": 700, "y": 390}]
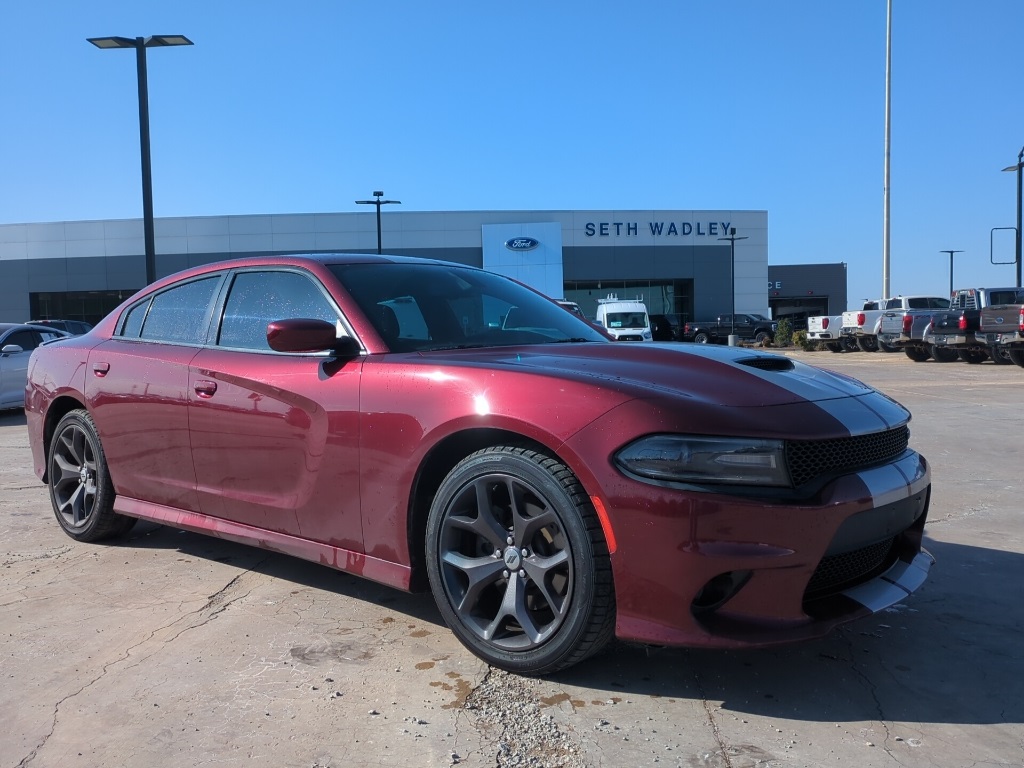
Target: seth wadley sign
[{"x": 657, "y": 228}]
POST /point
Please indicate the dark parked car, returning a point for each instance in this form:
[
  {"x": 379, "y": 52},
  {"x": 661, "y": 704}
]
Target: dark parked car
[
  {"x": 431, "y": 425},
  {"x": 17, "y": 340},
  {"x": 74, "y": 327},
  {"x": 667, "y": 327}
]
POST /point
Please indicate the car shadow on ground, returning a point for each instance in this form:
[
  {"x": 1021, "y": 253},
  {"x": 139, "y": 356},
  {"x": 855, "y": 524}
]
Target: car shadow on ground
[
  {"x": 949, "y": 654},
  {"x": 148, "y": 535},
  {"x": 14, "y": 418}
]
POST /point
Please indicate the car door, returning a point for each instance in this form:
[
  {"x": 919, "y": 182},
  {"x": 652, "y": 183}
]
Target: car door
[
  {"x": 14, "y": 366},
  {"x": 137, "y": 390},
  {"x": 275, "y": 435}
]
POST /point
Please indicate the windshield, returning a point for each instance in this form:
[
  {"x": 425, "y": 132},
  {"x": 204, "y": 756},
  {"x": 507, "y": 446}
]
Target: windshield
[
  {"x": 627, "y": 320},
  {"x": 422, "y": 307}
]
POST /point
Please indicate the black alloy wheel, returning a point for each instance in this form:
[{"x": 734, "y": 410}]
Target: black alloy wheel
[
  {"x": 81, "y": 492},
  {"x": 849, "y": 344},
  {"x": 833, "y": 346},
  {"x": 883, "y": 347},
  {"x": 1000, "y": 355},
  {"x": 867, "y": 343},
  {"x": 1016, "y": 355},
  {"x": 917, "y": 354},
  {"x": 972, "y": 356},
  {"x": 517, "y": 562},
  {"x": 944, "y": 354}
]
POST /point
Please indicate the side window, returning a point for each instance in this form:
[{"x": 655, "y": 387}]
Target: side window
[
  {"x": 132, "y": 326},
  {"x": 179, "y": 314},
  {"x": 257, "y": 299}
]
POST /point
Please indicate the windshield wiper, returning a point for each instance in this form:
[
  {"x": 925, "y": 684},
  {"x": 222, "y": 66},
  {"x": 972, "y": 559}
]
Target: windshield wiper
[{"x": 573, "y": 340}]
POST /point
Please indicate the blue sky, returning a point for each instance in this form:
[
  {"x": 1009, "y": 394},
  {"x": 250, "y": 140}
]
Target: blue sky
[{"x": 713, "y": 104}]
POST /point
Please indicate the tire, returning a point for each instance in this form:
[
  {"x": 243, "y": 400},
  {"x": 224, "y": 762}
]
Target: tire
[
  {"x": 701, "y": 338},
  {"x": 80, "y": 489},
  {"x": 833, "y": 346},
  {"x": 917, "y": 354},
  {"x": 762, "y": 337},
  {"x": 1000, "y": 355},
  {"x": 867, "y": 343},
  {"x": 1017, "y": 356},
  {"x": 883, "y": 347},
  {"x": 944, "y": 354},
  {"x": 972, "y": 356},
  {"x": 849, "y": 344},
  {"x": 532, "y": 613}
]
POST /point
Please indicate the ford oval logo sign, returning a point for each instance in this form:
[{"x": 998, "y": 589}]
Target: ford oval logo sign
[{"x": 521, "y": 243}]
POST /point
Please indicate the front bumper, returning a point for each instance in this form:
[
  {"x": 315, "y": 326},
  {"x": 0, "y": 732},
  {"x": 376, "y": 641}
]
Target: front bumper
[{"x": 699, "y": 569}]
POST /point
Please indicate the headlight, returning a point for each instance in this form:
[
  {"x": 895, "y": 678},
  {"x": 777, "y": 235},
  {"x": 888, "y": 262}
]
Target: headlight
[{"x": 697, "y": 459}]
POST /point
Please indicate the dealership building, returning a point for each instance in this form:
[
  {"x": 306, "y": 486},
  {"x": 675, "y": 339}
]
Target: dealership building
[{"x": 684, "y": 262}]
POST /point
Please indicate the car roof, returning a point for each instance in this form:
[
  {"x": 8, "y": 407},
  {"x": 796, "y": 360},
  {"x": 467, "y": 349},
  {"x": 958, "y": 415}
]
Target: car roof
[{"x": 4, "y": 327}]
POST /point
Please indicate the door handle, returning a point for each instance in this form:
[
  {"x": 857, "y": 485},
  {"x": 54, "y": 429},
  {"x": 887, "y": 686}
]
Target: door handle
[
  {"x": 101, "y": 369},
  {"x": 205, "y": 387}
]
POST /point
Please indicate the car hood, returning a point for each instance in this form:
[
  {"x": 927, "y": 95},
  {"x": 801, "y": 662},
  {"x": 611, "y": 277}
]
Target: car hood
[{"x": 726, "y": 376}]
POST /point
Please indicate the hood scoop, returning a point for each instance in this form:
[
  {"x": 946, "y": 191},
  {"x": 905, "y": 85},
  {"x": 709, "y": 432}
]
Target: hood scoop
[{"x": 768, "y": 363}]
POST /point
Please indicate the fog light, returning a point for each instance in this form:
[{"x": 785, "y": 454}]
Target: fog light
[{"x": 718, "y": 591}]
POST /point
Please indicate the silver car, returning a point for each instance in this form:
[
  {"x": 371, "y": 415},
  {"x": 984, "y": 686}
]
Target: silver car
[{"x": 16, "y": 344}]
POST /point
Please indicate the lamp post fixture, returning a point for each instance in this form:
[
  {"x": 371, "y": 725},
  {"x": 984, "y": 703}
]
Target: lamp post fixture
[
  {"x": 950, "y": 269},
  {"x": 732, "y": 238},
  {"x": 1017, "y": 168},
  {"x": 378, "y": 202},
  {"x": 140, "y": 44}
]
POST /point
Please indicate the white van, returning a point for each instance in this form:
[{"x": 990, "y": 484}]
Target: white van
[{"x": 626, "y": 320}]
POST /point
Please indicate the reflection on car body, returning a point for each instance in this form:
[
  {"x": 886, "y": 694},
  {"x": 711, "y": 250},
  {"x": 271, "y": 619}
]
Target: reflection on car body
[{"x": 392, "y": 418}]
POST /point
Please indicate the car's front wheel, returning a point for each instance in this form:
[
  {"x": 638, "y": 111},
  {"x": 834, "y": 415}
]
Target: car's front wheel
[
  {"x": 701, "y": 338},
  {"x": 80, "y": 488},
  {"x": 518, "y": 563}
]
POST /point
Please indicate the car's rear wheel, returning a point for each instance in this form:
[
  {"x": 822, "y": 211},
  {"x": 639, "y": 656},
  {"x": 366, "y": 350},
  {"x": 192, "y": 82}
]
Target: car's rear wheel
[
  {"x": 1017, "y": 356},
  {"x": 701, "y": 338},
  {"x": 883, "y": 347},
  {"x": 917, "y": 354},
  {"x": 833, "y": 346},
  {"x": 517, "y": 562},
  {"x": 80, "y": 488},
  {"x": 867, "y": 343},
  {"x": 762, "y": 338},
  {"x": 973, "y": 356},
  {"x": 849, "y": 344},
  {"x": 1000, "y": 355},
  {"x": 944, "y": 354}
]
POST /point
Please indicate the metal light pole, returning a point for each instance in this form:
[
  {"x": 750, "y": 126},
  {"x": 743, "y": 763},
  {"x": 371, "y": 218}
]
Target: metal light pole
[
  {"x": 140, "y": 44},
  {"x": 378, "y": 202},
  {"x": 950, "y": 269},
  {"x": 888, "y": 147},
  {"x": 732, "y": 238},
  {"x": 1017, "y": 168}
]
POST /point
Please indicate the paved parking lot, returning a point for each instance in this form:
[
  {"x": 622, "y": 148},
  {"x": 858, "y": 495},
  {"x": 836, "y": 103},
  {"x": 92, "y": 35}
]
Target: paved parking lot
[{"x": 174, "y": 649}]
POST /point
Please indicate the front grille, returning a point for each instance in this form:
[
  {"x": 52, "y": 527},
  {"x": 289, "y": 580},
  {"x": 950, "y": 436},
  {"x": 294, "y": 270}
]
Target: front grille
[
  {"x": 848, "y": 567},
  {"x": 808, "y": 459}
]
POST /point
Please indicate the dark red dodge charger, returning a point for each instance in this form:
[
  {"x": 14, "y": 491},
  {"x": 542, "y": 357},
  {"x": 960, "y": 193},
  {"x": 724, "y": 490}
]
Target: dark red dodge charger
[{"x": 427, "y": 424}]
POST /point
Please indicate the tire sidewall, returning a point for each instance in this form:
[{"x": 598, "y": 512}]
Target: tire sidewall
[
  {"x": 98, "y": 524},
  {"x": 550, "y": 655}
]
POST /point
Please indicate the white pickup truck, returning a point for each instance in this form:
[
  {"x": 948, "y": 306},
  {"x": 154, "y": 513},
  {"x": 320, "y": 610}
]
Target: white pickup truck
[
  {"x": 863, "y": 325},
  {"x": 828, "y": 330}
]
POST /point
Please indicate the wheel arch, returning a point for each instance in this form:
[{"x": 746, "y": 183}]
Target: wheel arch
[
  {"x": 432, "y": 471},
  {"x": 59, "y": 408}
]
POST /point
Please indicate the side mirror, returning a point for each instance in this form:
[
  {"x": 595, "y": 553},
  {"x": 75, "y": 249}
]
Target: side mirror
[
  {"x": 11, "y": 349},
  {"x": 308, "y": 335}
]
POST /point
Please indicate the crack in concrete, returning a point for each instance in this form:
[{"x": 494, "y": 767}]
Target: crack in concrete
[
  {"x": 716, "y": 732},
  {"x": 211, "y": 601}
]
